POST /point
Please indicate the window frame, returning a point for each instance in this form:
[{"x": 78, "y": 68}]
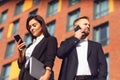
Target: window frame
[
  {"x": 2, "y": 2},
  {"x": 3, "y": 16},
  {"x": 102, "y": 11},
  {"x": 51, "y": 9},
  {"x": 70, "y": 14},
  {"x": 53, "y": 27},
  {"x": 28, "y": 37},
  {"x": 9, "y": 49},
  {"x": 33, "y": 11},
  {"x": 16, "y": 24},
  {"x": 18, "y": 7},
  {"x": 35, "y": 3},
  {"x": 1, "y": 33},
  {"x": 97, "y": 33},
  {"x": 71, "y": 3},
  {"x": 5, "y": 71}
]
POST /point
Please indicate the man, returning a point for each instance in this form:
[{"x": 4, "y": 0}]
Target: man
[{"x": 82, "y": 59}]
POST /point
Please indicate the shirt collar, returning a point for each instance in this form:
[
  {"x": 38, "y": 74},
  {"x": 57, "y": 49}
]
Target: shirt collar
[
  {"x": 83, "y": 40},
  {"x": 38, "y": 38}
]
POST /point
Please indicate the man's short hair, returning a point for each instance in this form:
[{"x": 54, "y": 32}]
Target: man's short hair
[{"x": 82, "y": 17}]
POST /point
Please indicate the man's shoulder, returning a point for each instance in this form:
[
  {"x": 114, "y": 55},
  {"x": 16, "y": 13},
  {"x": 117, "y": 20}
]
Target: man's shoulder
[
  {"x": 71, "y": 37},
  {"x": 51, "y": 37},
  {"x": 94, "y": 42}
]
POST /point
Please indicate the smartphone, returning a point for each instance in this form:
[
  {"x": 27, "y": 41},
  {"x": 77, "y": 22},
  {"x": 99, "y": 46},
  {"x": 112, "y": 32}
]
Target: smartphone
[
  {"x": 17, "y": 38},
  {"x": 77, "y": 28}
]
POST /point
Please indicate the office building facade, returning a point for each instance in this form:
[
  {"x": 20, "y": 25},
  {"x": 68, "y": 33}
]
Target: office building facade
[{"x": 59, "y": 16}]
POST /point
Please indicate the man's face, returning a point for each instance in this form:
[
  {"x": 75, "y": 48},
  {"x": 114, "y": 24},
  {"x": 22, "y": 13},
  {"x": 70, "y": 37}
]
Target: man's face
[{"x": 84, "y": 25}]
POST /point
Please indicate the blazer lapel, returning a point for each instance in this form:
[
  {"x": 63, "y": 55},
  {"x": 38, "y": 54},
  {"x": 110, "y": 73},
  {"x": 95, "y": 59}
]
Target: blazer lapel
[
  {"x": 39, "y": 47},
  {"x": 89, "y": 48},
  {"x": 75, "y": 54}
]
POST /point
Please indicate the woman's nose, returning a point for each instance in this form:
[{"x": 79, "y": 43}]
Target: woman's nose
[{"x": 31, "y": 28}]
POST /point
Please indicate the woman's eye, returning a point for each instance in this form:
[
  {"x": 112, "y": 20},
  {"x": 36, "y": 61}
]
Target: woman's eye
[{"x": 34, "y": 25}]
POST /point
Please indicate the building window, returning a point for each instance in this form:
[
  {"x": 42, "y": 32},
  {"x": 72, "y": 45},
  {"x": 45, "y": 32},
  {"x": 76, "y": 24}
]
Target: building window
[
  {"x": 3, "y": 16},
  {"x": 2, "y": 2},
  {"x": 52, "y": 8},
  {"x": 5, "y": 72},
  {"x": 19, "y": 7},
  {"x": 101, "y": 8},
  {"x": 28, "y": 38},
  {"x": 71, "y": 17},
  {"x": 51, "y": 27},
  {"x": 1, "y": 33},
  {"x": 108, "y": 65},
  {"x": 35, "y": 2},
  {"x": 9, "y": 49},
  {"x": 15, "y": 27},
  {"x": 101, "y": 34},
  {"x": 73, "y": 2},
  {"x": 34, "y": 12}
]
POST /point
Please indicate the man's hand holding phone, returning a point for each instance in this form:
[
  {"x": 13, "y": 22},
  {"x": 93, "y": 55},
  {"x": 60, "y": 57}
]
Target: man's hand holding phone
[
  {"x": 77, "y": 28},
  {"x": 78, "y": 32}
]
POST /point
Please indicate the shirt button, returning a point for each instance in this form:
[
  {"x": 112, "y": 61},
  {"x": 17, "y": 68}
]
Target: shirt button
[{"x": 75, "y": 41}]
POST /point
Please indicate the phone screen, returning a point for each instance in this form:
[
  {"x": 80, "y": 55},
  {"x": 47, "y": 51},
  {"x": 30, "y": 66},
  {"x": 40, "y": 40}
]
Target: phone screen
[{"x": 17, "y": 38}]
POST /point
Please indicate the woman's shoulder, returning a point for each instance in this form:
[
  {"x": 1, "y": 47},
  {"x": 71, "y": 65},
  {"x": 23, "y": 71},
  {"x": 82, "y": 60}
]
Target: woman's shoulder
[{"x": 51, "y": 39}]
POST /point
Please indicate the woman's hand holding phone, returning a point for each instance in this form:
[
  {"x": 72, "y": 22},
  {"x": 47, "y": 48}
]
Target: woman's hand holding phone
[{"x": 21, "y": 44}]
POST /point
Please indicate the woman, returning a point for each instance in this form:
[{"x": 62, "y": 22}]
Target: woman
[{"x": 43, "y": 48}]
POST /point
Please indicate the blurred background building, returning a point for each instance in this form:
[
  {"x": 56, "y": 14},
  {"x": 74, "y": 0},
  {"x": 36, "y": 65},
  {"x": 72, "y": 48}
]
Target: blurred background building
[{"x": 59, "y": 16}]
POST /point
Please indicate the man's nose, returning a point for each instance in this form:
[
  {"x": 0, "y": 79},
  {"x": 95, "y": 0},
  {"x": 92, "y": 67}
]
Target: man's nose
[{"x": 88, "y": 25}]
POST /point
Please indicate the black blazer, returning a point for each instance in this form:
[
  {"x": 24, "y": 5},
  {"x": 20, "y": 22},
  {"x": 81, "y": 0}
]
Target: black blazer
[
  {"x": 45, "y": 51},
  {"x": 96, "y": 59}
]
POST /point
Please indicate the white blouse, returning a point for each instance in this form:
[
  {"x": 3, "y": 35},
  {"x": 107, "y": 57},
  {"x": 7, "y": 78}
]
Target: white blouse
[{"x": 30, "y": 49}]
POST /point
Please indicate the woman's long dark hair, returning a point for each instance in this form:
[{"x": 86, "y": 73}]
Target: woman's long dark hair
[{"x": 41, "y": 21}]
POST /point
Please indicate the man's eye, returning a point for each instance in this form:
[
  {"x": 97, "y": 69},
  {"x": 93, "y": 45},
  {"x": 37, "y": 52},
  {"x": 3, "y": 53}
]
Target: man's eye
[{"x": 87, "y": 24}]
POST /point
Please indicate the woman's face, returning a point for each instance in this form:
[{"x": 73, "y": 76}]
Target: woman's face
[{"x": 35, "y": 27}]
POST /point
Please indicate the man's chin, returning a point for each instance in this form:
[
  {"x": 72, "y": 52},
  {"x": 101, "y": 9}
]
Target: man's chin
[{"x": 85, "y": 35}]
